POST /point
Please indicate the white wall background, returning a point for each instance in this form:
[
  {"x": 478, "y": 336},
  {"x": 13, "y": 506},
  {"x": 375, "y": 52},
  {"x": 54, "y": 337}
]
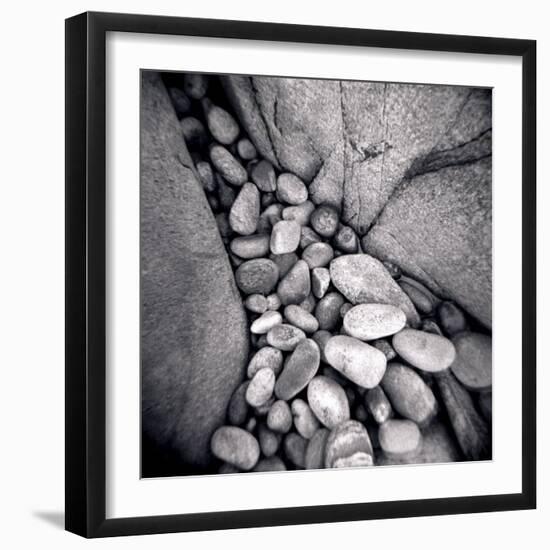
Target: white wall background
[{"x": 31, "y": 276}]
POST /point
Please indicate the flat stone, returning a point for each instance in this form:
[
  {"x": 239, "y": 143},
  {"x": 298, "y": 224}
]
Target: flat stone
[
  {"x": 295, "y": 285},
  {"x": 266, "y": 321},
  {"x": 285, "y": 237},
  {"x": 235, "y": 446},
  {"x": 257, "y": 276},
  {"x": 300, "y": 368},
  {"x": 328, "y": 401},
  {"x": 291, "y": 189},
  {"x": 263, "y": 175},
  {"x": 222, "y": 125},
  {"x": 267, "y": 357},
  {"x": 372, "y": 321},
  {"x": 279, "y": 417},
  {"x": 327, "y": 310},
  {"x": 251, "y": 246},
  {"x": 399, "y": 437},
  {"x": 318, "y": 255},
  {"x": 315, "y": 451},
  {"x": 227, "y": 165},
  {"x": 474, "y": 360},
  {"x": 320, "y": 281},
  {"x": 301, "y": 318},
  {"x": 245, "y": 212},
  {"x": 300, "y": 213},
  {"x": 285, "y": 337},
  {"x": 348, "y": 446},
  {"x": 425, "y": 351}
]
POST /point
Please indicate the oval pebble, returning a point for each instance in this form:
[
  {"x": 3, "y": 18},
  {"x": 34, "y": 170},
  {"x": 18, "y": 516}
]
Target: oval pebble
[
  {"x": 348, "y": 446},
  {"x": 235, "y": 446},
  {"x": 299, "y": 369},
  {"x": 267, "y": 357},
  {"x": 346, "y": 240},
  {"x": 361, "y": 363},
  {"x": 420, "y": 300},
  {"x": 305, "y": 421},
  {"x": 193, "y": 132},
  {"x": 425, "y": 351},
  {"x": 324, "y": 221},
  {"x": 327, "y": 311},
  {"x": 245, "y": 212},
  {"x": 285, "y": 237},
  {"x": 328, "y": 401},
  {"x": 263, "y": 175},
  {"x": 285, "y": 337},
  {"x": 279, "y": 417},
  {"x": 318, "y": 255},
  {"x": 237, "y": 410},
  {"x": 295, "y": 286},
  {"x": 301, "y": 318},
  {"x": 228, "y": 166},
  {"x": 206, "y": 176},
  {"x": 257, "y": 276},
  {"x": 273, "y": 302},
  {"x": 257, "y": 303},
  {"x": 260, "y": 388},
  {"x": 264, "y": 323},
  {"x": 320, "y": 281},
  {"x": 451, "y": 318},
  {"x": 399, "y": 437},
  {"x": 251, "y": 246},
  {"x": 474, "y": 360},
  {"x": 221, "y": 124},
  {"x": 269, "y": 440},
  {"x": 246, "y": 149},
  {"x": 315, "y": 451},
  {"x": 226, "y": 193},
  {"x": 294, "y": 446},
  {"x": 409, "y": 395},
  {"x": 181, "y": 102},
  {"x": 195, "y": 85},
  {"x": 300, "y": 214},
  {"x": 270, "y": 464},
  {"x": 291, "y": 189},
  {"x": 378, "y": 404},
  {"x": 373, "y": 321}
]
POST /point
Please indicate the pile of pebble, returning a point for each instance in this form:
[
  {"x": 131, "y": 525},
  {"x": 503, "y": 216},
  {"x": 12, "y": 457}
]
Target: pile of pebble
[{"x": 352, "y": 363}]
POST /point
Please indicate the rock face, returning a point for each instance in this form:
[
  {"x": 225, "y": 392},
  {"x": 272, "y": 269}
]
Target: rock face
[
  {"x": 438, "y": 228},
  {"x": 193, "y": 351}
]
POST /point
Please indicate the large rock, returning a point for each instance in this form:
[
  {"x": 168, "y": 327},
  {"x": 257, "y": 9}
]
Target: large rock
[
  {"x": 438, "y": 228},
  {"x": 194, "y": 341},
  {"x": 353, "y": 142}
]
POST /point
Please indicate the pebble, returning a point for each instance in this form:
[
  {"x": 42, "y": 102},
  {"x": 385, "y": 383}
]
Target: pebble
[
  {"x": 222, "y": 125},
  {"x": 320, "y": 281},
  {"x": 400, "y": 437},
  {"x": 309, "y": 303},
  {"x": 348, "y": 446},
  {"x": 328, "y": 401},
  {"x": 315, "y": 451},
  {"x": 269, "y": 440},
  {"x": 308, "y": 236},
  {"x": 237, "y": 410},
  {"x": 385, "y": 347},
  {"x": 206, "y": 176},
  {"x": 327, "y": 311},
  {"x": 267, "y": 357},
  {"x": 423, "y": 350},
  {"x": 346, "y": 240},
  {"x": 193, "y": 132},
  {"x": 294, "y": 446},
  {"x": 321, "y": 337},
  {"x": 257, "y": 276},
  {"x": 305, "y": 421},
  {"x": 250, "y": 246},
  {"x": 378, "y": 404},
  {"x": 260, "y": 388},
  {"x": 361, "y": 363},
  {"x": 264, "y": 323},
  {"x": 226, "y": 193},
  {"x": 285, "y": 337},
  {"x": 345, "y": 308},
  {"x": 318, "y": 255},
  {"x": 301, "y": 318},
  {"x": 373, "y": 321},
  {"x": 195, "y": 85},
  {"x": 181, "y": 102},
  {"x": 421, "y": 301},
  {"x": 299, "y": 369},
  {"x": 291, "y": 189},
  {"x": 324, "y": 221},
  {"x": 295, "y": 286},
  {"x": 245, "y": 212},
  {"x": 300, "y": 214},
  {"x": 251, "y": 424},
  {"x": 284, "y": 262},
  {"x": 279, "y": 417},
  {"x": 270, "y": 464},
  {"x": 263, "y": 175},
  {"x": 451, "y": 318},
  {"x": 474, "y": 360},
  {"x": 273, "y": 302},
  {"x": 246, "y": 149},
  {"x": 235, "y": 446},
  {"x": 285, "y": 237},
  {"x": 227, "y": 165},
  {"x": 362, "y": 279},
  {"x": 409, "y": 394},
  {"x": 261, "y": 341},
  {"x": 256, "y": 303},
  {"x": 262, "y": 410}
]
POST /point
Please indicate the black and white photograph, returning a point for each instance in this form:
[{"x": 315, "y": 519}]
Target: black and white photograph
[{"x": 316, "y": 273}]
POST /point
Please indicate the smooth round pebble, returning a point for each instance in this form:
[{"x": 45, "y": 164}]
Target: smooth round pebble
[
  {"x": 474, "y": 360},
  {"x": 320, "y": 281},
  {"x": 228, "y": 166},
  {"x": 298, "y": 370},
  {"x": 399, "y": 437},
  {"x": 270, "y": 464},
  {"x": 246, "y": 149},
  {"x": 206, "y": 176},
  {"x": 300, "y": 318},
  {"x": 421, "y": 300},
  {"x": 273, "y": 302},
  {"x": 245, "y": 212},
  {"x": 346, "y": 240},
  {"x": 373, "y": 321},
  {"x": 285, "y": 337},
  {"x": 181, "y": 102},
  {"x": 315, "y": 451},
  {"x": 251, "y": 246},
  {"x": 257, "y": 276},
  {"x": 348, "y": 445},
  {"x": 327, "y": 311},
  {"x": 195, "y": 85},
  {"x": 300, "y": 214},
  {"x": 222, "y": 125},
  {"x": 269, "y": 440},
  {"x": 285, "y": 237},
  {"x": 291, "y": 189},
  {"x": 264, "y": 323},
  {"x": 359, "y": 362},
  {"x": 378, "y": 404},
  {"x": 425, "y": 351},
  {"x": 295, "y": 286},
  {"x": 193, "y": 132},
  {"x": 263, "y": 175},
  {"x": 257, "y": 303},
  {"x": 260, "y": 388},
  {"x": 235, "y": 446},
  {"x": 328, "y": 401},
  {"x": 267, "y": 357},
  {"x": 318, "y": 255},
  {"x": 451, "y": 318},
  {"x": 324, "y": 221},
  {"x": 294, "y": 446},
  {"x": 279, "y": 417},
  {"x": 305, "y": 421}
]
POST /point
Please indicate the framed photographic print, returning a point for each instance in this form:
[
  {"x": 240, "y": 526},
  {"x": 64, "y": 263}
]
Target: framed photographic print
[{"x": 300, "y": 274}]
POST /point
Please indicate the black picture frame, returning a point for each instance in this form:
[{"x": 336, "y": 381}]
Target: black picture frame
[{"x": 86, "y": 284}]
